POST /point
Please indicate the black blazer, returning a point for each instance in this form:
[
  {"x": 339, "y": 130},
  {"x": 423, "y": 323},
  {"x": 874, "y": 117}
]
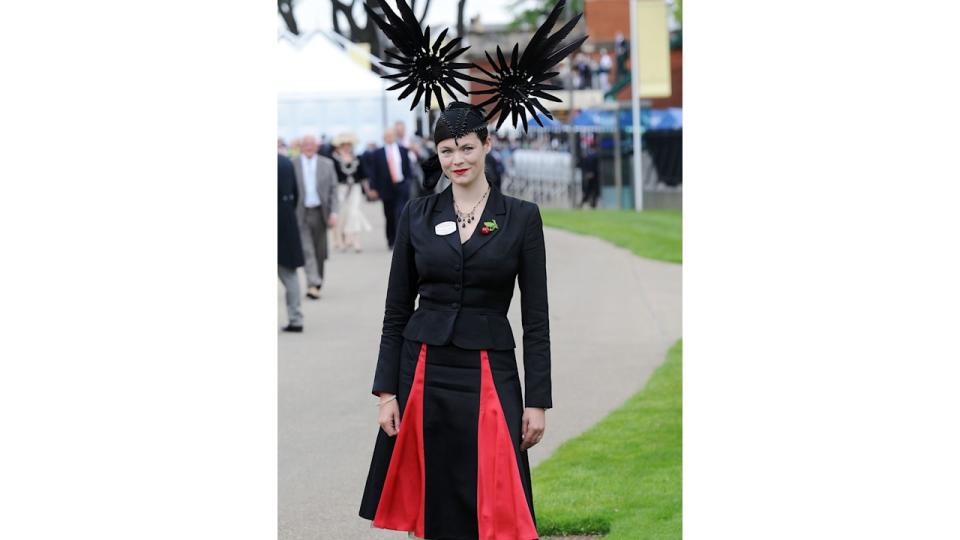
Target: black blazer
[
  {"x": 380, "y": 172},
  {"x": 465, "y": 291},
  {"x": 289, "y": 249}
]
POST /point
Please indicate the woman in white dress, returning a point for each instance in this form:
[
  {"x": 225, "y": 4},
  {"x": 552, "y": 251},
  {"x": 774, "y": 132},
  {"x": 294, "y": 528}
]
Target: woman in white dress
[{"x": 352, "y": 183}]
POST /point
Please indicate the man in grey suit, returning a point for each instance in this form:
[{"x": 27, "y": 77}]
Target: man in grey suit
[{"x": 317, "y": 210}]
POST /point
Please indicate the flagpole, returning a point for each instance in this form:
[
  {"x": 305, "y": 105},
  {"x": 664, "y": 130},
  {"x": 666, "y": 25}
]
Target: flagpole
[{"x": 635, "y": 99}]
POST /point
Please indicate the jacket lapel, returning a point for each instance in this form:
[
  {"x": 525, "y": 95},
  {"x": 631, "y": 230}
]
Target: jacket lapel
[
  {"x": 443, "y": 211},
  {"x": 301, "y": 200},
  {"x": 298, "y": 177},
  {"x": 494, "y": 209}
]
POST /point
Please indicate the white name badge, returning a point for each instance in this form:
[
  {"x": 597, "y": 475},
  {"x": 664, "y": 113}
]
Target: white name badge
[{"x": 445, "y": 228}]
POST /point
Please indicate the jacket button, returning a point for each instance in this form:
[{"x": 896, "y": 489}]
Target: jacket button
[
  {"x": 456, "y": 268},
  {"x": 455, "y": 305},
  {"x": 456, "y": 286}
]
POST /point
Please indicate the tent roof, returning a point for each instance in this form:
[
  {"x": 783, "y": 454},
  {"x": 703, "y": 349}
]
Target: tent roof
[{"x": 312, "y": 65}]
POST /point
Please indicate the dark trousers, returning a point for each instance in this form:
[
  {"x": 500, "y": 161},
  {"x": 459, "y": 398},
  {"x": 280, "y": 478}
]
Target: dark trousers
[
  {"x": 591, "y": 192},
  {"x": 393, "y": 207},
  {"x": 313, "y": 236}
]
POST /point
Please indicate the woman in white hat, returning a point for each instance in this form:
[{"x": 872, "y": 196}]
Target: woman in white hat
[{"x": 351, "y": 175}]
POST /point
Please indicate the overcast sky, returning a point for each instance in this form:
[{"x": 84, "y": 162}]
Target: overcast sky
[{"x": 316, "y": 14}]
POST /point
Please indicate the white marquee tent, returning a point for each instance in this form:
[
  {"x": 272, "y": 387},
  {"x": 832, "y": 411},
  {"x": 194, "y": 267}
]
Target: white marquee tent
[{"x": 322, "y": 90}]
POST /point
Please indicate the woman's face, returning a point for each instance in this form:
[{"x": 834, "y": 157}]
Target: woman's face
[{"x": 462, "y": 159}]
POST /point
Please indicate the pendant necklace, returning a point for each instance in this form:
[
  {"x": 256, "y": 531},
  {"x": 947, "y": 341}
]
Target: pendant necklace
[{"x": 467, "y": 217}]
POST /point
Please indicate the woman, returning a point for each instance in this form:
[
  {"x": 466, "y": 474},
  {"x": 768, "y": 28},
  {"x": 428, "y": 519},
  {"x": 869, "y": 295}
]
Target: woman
[
  {"x": 352, "y": 178},
  {"x": 450, "y": 461}
]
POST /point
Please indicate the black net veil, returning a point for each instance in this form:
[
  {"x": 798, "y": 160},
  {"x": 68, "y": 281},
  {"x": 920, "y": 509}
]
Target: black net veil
[{"x": 458, "y": 120}]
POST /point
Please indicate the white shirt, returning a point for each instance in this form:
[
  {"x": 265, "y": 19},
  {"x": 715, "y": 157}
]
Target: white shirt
[
  {"x": 311, "y": 198},
  {"x": 394, "y": 151},
  {"x": 606, "y": 63}
]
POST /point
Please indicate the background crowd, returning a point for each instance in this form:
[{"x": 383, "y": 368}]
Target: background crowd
[
  {"x": 325, "y": 181},
  {"x": 322, "y": 185}
]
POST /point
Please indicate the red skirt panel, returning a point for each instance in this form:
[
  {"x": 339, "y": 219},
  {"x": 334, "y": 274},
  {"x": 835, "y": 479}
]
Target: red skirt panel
[
  {"x": 502, "y": 510},
  {"x": 402, "y": 500},
  {"x": 455, "y": 471}
]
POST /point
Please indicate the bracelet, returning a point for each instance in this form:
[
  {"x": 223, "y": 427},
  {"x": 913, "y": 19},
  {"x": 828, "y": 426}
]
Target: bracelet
[{"x": 384, "y": 402}]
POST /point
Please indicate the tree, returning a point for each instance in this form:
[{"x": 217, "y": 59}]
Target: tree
[
  {"x": 368, "y": 32},
  {"x": 461, "y": 6},
  {"x": 533, "y": 16},
  {"x": 286, "y": 11}
]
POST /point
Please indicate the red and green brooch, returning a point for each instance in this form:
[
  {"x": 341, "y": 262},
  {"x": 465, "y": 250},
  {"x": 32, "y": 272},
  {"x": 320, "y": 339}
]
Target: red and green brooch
[{"x": 489, "y": 227}]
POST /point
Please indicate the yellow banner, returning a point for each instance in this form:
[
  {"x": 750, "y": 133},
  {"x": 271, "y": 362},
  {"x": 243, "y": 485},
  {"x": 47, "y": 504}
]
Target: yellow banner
[{"x": 652, "y": 47}]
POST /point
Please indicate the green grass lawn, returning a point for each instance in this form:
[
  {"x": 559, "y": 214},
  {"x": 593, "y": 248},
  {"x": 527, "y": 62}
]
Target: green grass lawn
[
  {"x": 654, "y": 234},
  {"x": 623, "y": 476}
]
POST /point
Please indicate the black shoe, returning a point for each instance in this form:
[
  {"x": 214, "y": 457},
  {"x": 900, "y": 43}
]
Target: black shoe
[{"x": 292, "y": 328}]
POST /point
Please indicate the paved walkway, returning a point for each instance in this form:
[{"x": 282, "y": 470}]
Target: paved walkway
[{"x": 612, "y": 318}]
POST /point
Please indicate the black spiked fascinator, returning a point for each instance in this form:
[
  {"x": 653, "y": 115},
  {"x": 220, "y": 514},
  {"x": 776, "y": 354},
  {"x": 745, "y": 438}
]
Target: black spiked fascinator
[
  {"x": 517, "y": 84},
  {"x": 422, "y": 67}
]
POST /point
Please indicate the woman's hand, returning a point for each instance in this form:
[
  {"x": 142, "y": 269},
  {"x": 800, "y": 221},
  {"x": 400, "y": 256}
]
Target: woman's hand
[
  {"x": 534, "y": 422},
  {"x": 389, "y": 415}
]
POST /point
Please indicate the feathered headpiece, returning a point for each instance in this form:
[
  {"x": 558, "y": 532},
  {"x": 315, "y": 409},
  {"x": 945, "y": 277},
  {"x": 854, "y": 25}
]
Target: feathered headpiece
[
  {"x": 516, "y": 85},
  {"x": 423, "y": 67}
]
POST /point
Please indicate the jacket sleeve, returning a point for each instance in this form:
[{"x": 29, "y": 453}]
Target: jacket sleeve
[
  {"x": 374, "y": 172},
  {"x": 405, "y": 162},
  {"x": 401, "y": 293},
  {"x": 362, "y": 171},
  {"x": 296, "y": 189},
  {"x": 332, "y": 190},
  {"x": 534, "y": 313}
]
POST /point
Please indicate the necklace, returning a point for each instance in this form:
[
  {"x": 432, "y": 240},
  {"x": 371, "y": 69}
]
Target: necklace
[
  {"x": 467, "y": 217},
  {"x": 349, "y": 167}
]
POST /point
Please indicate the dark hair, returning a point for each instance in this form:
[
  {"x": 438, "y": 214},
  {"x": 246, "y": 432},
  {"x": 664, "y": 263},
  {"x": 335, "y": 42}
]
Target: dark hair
[{"x": 459, "y": 119}]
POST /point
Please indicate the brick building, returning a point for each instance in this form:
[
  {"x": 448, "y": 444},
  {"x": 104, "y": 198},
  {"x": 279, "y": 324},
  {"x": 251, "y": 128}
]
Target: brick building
[
  {"x": 602, "y": 21},
  {"x": 606, "y": 18}
]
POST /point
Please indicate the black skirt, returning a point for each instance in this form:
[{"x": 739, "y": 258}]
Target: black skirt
[{"x": 455, "y": 470}]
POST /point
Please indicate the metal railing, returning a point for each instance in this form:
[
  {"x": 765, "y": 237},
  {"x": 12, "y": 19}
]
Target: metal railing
[{"x": 543, "y": 177}]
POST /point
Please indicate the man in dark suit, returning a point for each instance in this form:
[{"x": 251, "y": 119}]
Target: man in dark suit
[
  {"x": 391, "y": 177},
  {"x": 590, "y": 167},
  {"x": 290, "y": 250}
]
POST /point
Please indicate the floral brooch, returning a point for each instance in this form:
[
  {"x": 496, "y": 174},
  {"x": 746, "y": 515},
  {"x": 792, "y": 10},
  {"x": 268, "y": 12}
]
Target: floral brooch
[{"x": 489, "y": 227}]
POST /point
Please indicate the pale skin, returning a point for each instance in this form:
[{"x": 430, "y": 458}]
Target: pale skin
[
  {"x": 309, "y": 147},
  {"x": 462, "y": 161}
]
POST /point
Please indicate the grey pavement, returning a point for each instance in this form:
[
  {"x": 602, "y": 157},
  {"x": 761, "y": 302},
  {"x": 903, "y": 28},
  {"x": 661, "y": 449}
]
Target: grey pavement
[{"x": 612, "y": 318}]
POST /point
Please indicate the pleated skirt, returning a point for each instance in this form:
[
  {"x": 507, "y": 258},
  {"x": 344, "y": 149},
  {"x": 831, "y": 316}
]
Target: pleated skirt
[{"x": 455, "y": 470}]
